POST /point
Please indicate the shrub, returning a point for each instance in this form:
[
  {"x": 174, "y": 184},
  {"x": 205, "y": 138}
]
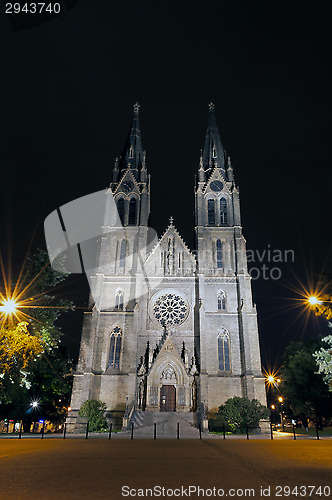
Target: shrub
[
  {"x": 94, "y": 411},
  {"x": 240, "y": 412}
]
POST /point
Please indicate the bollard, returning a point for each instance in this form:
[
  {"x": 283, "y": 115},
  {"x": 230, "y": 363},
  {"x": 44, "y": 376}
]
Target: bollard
[
  {"x": 178, "y": 431},
  {"x": 317, "y": 432},
  {"x": 247, "y": 431},
  {"x": 271, "y": 430},
  {"x": 200, "y": 431},
  {"x": 223, "y": 430},
  {"x": 294, "y": 432},
  {"x": 64, "y": 430},
  {"x": 42, "y": 431},
  {"x": 20, "y": 433},
  {"x": 110, "y": 432},
  {"x": 155, "y": 431},
  {"x": 132, "y": 431},
  {"x": 87, "y": 431}
]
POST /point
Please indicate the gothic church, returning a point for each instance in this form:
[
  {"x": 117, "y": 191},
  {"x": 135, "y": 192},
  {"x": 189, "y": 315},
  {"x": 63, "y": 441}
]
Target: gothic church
[{"x": 189, "y": 340}]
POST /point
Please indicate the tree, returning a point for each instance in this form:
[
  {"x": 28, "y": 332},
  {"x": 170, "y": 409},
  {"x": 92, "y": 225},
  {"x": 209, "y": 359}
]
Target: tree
[
  {"x": 323, "y": 359},
  {"x": 241, "y": 412},
  {"x": 33, "y": 364},
  {"x": 94, "y": 411},
  {"x": 18, "y": 348},
  {"x": 302, "y": 387}
]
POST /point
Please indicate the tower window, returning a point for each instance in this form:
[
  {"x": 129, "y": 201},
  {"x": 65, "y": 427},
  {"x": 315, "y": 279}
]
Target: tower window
[
  {"x": 223, "y": 211},
  {"x": 121, "y": 209},
  {"x": 119, "y": 300},
  {"x": 132, "y": 212},
  {"x": 211, "y": 214},
  {"x": 221, "y": 301},
  {"x": 123, "y": 249},
  {"x": 219, "y": 254},
  {"x": 224, "y": 350},
  {"x": 115, "y": 348}
]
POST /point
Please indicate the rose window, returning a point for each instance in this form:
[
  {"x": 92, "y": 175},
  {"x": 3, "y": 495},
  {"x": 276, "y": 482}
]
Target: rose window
[{"x": 170, "y": 309}]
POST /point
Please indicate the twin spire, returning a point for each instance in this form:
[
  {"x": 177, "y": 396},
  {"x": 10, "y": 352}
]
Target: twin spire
[
  {"x": 133, "y": 156},
  {"x": 213, "y": 154}
]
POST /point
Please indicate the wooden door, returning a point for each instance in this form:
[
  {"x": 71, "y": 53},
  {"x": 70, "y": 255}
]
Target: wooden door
[{"x": 168, "y": 398}]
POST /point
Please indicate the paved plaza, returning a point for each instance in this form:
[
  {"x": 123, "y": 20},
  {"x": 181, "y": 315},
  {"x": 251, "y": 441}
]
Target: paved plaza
[{"x": 113, "y": 469}]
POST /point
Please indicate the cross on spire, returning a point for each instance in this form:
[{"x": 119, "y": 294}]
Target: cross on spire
[
  {"x": 171, "y": 220},
  {"x": 136, "y": 107}
]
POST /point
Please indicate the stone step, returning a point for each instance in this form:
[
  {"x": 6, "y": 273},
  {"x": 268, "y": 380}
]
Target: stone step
[{"x": 166, "y": 422}]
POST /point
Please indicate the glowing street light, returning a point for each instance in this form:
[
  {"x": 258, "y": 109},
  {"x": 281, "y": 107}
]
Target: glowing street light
[
  {"x": 9, "y": 306},
  {"x": 313, "y": 300},
  {"x": 34, "y": 404},
  {"x": 281, "y": 399}
]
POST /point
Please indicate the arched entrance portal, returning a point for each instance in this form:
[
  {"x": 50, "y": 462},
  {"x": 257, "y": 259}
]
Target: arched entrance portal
[
  {"x": 167, "y": 398},
  {"x": 169, "y": 381}
]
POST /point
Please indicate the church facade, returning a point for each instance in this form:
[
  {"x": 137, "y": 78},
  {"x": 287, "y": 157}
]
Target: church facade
[{"x": 173, "y": 329}]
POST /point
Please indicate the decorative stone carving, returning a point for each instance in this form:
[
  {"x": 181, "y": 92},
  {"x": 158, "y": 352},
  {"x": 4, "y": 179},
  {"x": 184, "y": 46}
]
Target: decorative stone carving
[{"x": 168, "y": 373}]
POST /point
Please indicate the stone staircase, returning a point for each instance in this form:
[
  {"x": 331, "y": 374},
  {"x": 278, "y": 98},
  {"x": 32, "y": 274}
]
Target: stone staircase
[{"x": 167, "y": 424}]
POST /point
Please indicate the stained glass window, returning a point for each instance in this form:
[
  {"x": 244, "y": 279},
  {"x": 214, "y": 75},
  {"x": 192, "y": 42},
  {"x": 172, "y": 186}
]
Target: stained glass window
[
  {"x": 132, "y": 212},
  {"x": 121, "y": 209},
  {"x": 223, "y": 211},
  {"x": 211, "y": 214},
  {"x": 119, "y": 300},
  {"x": 123, "y": 249},
  {"x": 219, "y": 254},
  {"x": 224, "y": 350},
  {"x": 170, "y": 309},
  {"x": 115, "y": 348},
  {"x": 221, "y": 301}
]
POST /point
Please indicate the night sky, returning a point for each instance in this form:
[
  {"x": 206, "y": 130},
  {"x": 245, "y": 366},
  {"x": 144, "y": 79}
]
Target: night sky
[{"x": 67, "y": 89}]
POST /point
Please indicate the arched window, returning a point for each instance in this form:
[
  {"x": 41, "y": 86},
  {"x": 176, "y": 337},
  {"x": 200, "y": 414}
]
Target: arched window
[
  {"x": 119, "y": 300},
  {"x": 132, "y": 212},
  {"x": 223, "y": 211},
  {"x": 224, "y": 350},
  {"x": 219, "y": 254},
  {"x": 115, "y": 348},
  {"x": 121, "y": 209},
  {"x": 211, "y": 214},
  {"x": 221, "y": 301},
  {"x": 123, "y": 249}
]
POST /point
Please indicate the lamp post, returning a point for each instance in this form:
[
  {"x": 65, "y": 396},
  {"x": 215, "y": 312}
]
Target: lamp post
[
  {"x": 281, "y": 399},
  {"x": 34, "y": 406}
]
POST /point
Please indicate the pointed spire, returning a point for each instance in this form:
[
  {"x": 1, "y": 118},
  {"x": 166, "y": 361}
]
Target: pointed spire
[
  {"x": 213, "y": 152},
  {"x": 132, "y": 156}
]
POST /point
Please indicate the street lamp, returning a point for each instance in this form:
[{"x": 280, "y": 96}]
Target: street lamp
[
  {"x": 8, "y": 306},
  {"x": 313, "y": 300},
  {"x": 34, "y": 406},
  {"x": 281, "y": 399}
]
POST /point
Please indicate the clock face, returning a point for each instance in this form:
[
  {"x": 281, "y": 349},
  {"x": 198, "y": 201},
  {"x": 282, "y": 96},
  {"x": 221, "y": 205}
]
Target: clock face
[
  {"x": 128, "y": 186},
  {"x": 216, "y": 185}
]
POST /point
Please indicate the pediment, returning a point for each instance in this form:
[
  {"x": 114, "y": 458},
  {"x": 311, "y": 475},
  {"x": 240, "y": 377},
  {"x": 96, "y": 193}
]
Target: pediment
[
  {"x": 171, "y": 256},
  {"x": 216, "y": 175}
]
